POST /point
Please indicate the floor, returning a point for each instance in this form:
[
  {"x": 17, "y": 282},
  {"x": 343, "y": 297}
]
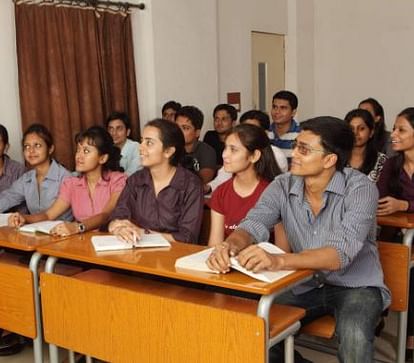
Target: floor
[{"x": 385, "y": 351}]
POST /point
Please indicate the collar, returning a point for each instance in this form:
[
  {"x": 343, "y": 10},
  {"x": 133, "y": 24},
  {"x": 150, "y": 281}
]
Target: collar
[
  {"x": 294, "y": 127},
  {"x": 81, "y": 181},
  {"x": 336, "y": 185},
  {"x": 52, "y": 174},
  {"x": 143, "y": 178}
]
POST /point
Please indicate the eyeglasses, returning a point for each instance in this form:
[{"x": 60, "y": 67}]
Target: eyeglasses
[{"x": 305, "y": 149}]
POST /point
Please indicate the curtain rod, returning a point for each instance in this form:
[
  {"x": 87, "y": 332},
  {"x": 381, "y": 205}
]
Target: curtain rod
[
  {"x": 140, "y": 6},
  {"x": 94, "y": 3}
]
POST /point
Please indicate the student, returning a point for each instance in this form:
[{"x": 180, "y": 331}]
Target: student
[
  {"x": 10, "y": 170},
  {"x": 225, "y": 117},
  {"x": 162, "y": 197},
  {"x": 396, "y": 190},
  {"x": 169, "y": 110},
  {"x": 261, "y": 119},
  {"x": 199, "y": 156},
  {"x": 93, "y": 194},
  {"x": 284, "y": 128},
  {"x": 248, "y": 157},
  {"x": 119, "y": 126},
  {"x": 39, "y": 186},
  {"x": 328, "y": 213},
  {"x": 364, "y": 156},
  {"x": 382, "y": 137}
]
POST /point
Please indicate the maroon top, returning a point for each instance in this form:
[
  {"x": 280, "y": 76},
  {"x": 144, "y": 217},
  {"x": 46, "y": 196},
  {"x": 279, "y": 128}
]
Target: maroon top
[
  {"x": 407, "y": 184},
  {"x": 178, "y": 208}
]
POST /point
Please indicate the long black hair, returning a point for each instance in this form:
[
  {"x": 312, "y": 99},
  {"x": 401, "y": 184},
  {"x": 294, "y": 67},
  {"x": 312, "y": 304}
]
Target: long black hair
[
  {"x": 380, "y": 133},
  {"x": 394, "y": 183},
  {"x": 255, "y": 138},
  {"x": 371, "y": 152}
]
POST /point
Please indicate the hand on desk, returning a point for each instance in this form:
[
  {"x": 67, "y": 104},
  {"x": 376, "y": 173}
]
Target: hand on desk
[
  {"x": 65, "y": 229},
  {"x": 389, "y": 205},
  {"x": 219, "y": 259},
  {"x": 16, "y": 220},
  {"x": 126, "y": 230},
  {"x": 257, "y": 259}
]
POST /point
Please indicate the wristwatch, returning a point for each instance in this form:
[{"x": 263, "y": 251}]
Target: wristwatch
[{"x": 81, "y": 227}]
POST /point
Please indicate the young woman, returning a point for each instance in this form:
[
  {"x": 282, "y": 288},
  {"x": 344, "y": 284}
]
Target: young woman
[
  {"x": 365, "y": 156},
  {"x": 249, "y": 157},
  {"x": 261, "y": 119},
  {"x": 39, "y": 186},
  {"x": 10, "y": 170},
  {"x": 93, "y": 194},
  {"x": 396, "y": 189},
  {"x": 162, "y": 197},
  {"x": 381, "y": 135}
]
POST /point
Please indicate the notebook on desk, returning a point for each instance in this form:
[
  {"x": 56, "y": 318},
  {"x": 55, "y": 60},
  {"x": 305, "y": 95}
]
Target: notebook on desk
[
  {"x": 43, "y": 227},
  {"x": 197, "y": 262},
  {"x": 113, "y": 243}
]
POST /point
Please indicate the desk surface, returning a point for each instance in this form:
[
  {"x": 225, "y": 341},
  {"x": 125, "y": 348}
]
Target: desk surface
[
  {"x": 12, "y": 238},
  {"x": 399, "y": 219},
  {"x": 160, "y": 262}
]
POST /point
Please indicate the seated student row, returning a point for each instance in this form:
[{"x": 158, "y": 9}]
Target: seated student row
[
  {"x": 163, "y": 143},
  {"x": 176, "y": 198},
  {"x": 64, "y": 204}
]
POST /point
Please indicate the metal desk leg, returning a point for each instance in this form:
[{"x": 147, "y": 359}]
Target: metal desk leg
[
  {"x": 38, "y": 341},
  {"x": 53, "y": 349},
  {"x": 263, "y": 310}
]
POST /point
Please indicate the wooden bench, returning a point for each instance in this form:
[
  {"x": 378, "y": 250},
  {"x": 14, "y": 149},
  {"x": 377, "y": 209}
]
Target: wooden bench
[
  {"x": 395, "y": 260},
  {"x": 122, "y": 318}
]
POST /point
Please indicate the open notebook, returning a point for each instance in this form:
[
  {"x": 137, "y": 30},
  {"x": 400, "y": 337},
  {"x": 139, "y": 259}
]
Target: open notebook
[
  {"x": 197, "y": 262},
  {"x": 112, "y": 243},
  {"x": 44, "y": 226}
]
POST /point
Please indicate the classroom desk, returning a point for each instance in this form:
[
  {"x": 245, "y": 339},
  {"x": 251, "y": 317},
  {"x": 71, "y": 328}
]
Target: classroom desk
[
  {"x": 19, "y": 299},
  {"x": 405, "y": 221},
  {"x": 158, "y": 262}
]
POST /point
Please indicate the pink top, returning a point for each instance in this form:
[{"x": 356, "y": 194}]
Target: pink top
[{"x": 74, "y": 190}]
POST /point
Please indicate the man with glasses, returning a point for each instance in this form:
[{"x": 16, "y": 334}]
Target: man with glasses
[
  {"x": 328, "y": 213},
  {"x": 225, "y": 117}
]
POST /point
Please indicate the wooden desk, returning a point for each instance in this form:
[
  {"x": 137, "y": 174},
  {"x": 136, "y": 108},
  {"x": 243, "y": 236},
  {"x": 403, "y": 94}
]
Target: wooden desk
[
  {"x": 405, "y": 221},
  {"x": 19, "y": 298},
  {"x": 156, "y": 262},
  {"x": 399, "y": 219}
]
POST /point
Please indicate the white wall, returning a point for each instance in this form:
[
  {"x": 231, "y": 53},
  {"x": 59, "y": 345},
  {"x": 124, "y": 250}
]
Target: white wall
[
  {"x": 236, "y": 20},
  {"x": 176, "y": 55},
  {"x": 362, "y": 49},
  {"x": 9, "y": 93},
  {"x": 196, "y": 51}
]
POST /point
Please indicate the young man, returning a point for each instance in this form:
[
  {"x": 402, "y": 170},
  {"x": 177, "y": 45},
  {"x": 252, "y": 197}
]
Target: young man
[
  {"x": 328, "y": 213},
  {"x": 225, "y": 117},
  {"x": 199, "y": 157},
  {"x": 284, "y": 128},
  {"x": 169, "y": 110},
  {"x": 119, "y": 127}
]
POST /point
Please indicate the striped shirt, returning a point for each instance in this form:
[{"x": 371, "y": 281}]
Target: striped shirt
[
  {"x": 346, "y": 222},
  {"x": 284, "y": 141}
]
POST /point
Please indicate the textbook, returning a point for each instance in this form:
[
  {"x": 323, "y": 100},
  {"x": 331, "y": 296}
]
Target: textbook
[
  {"x": 112, "y": 243},
  {"x": 43, "y": 227},
  {"x": 197, "y": 262}
]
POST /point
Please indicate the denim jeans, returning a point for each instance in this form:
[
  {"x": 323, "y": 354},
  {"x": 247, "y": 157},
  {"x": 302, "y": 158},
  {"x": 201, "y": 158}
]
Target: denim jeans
[{"x": 356, "y": 311}]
